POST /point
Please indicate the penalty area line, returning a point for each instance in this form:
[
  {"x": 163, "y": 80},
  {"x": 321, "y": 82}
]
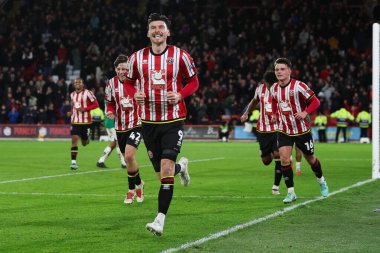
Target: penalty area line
[
  {"x": 93, "y": 171},
  {"x": 147, "y": 196},
  {"x": 259, "y": 220}
]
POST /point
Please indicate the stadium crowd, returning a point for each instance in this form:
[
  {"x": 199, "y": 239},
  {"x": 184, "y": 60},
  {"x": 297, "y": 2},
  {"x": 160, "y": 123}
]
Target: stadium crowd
[{"x": 45, "y": 44}]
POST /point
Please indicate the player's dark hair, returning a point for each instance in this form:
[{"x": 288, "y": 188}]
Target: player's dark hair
[
  {"x": 120, "y": 59},
  {"x": 159, "y": 17},
  {"x": 270, "y": 77},
  {"x": 283, "y": 61}
]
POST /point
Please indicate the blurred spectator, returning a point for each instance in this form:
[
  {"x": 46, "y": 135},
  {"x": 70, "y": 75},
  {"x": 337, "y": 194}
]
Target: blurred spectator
[
  {"x": 342, "y": 117},
  {"x": 13, "y": 116},
  {"x": 41, "y": 117},
  {"x": 65, "y": 108},
  {"x": 3, "y": 115},
  {"x": 30, "y": 115},
  {"x": 364, "y": 119},
  {"x": 232, "y": 48},
  {"x": 51, "y": 114},
  {"x": 321, "y": 123}
]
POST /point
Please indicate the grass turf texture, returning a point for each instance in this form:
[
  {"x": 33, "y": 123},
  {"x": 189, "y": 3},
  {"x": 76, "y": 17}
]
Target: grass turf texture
[{"x": 83, "y": 211}]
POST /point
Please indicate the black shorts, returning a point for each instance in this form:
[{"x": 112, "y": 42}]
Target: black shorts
[
  {"x": 304, "y": 142},
  {"x": 130, "y": 137},
  {"x": 267, "y": 142},
  {"x": 82, "y": 130},
  {"x": 160, "y": 137}
]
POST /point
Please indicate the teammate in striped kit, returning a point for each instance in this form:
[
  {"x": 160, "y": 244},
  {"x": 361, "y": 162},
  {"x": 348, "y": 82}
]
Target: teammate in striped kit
[
  {"x": 162, "y": 71},
  {"x": 82, "y": 102},
  {"x": 293, "y": 100},
  {"x": 266, "y": 129},
  {"x": 124, "y": 110}
]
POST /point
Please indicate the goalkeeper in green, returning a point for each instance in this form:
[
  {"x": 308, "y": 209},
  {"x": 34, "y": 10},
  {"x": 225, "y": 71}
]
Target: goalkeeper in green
[{"x": 110, "y": 128}]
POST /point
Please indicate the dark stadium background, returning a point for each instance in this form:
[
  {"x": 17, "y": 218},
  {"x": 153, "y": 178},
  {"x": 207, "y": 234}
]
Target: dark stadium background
[{"x": 45, "y": 44}]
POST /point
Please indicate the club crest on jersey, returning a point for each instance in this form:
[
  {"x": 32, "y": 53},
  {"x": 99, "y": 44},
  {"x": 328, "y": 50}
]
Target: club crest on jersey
[
  {"x": 157, "y": 79},
  {"x": 170, "y": 60},
  {"x": 291, "y": 93}
]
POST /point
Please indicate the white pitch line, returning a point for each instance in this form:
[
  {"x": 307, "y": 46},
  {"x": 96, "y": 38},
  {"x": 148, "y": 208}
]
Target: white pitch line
[
  {"x": 92, "y": 171},
  {"x": 148, "y": 196},
  {"x": 259, "y": 220},
  {"x": 324, "y": 159}
]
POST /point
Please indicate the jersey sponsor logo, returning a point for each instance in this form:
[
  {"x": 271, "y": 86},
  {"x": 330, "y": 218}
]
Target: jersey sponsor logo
[
  {"x": 268, "y": 108},
  {"x": 145, "y": 62},
  {"x": 285, "y": 107},
  {"x": 157, "y": 79}
]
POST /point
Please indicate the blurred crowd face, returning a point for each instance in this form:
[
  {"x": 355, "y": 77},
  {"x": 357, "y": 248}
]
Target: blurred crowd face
[
  {"x": 158, "y": 32},
  {"x": 120, "y": 70},
  {"x": 282, "y": 72},
  {"x": 78, "y": 85}
]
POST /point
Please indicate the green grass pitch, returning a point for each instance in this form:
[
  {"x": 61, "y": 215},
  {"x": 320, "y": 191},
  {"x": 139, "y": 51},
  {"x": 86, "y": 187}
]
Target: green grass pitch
[{"x": 45, "y": 207}]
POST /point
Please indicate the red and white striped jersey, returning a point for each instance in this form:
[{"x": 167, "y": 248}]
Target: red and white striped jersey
[
  {"x": 118, "y": 97},
  {"x": 291, "y": 99},
  {"x": 85, "y": 99},
  {"x": 159, "y": 74},
  {"x": 263, "y": 95}
]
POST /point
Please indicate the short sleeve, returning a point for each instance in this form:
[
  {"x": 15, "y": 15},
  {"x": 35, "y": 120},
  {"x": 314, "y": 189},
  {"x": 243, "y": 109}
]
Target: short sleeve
[{"x": 305, "y": 91}]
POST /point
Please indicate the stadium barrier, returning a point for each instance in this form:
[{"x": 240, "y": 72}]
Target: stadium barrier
[
  {"x": 31, "y": 131},
  {"x": 201, "y": 132},
  {"x": 353, "y": 134}
]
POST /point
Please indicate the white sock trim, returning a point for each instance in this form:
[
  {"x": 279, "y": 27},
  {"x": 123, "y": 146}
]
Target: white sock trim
[
  {"x": 321, "y": 180},
  {"x": 161, "y": 218},
  {"x": 106, "y": 153},
  {"x": 291, "y": 190}
]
